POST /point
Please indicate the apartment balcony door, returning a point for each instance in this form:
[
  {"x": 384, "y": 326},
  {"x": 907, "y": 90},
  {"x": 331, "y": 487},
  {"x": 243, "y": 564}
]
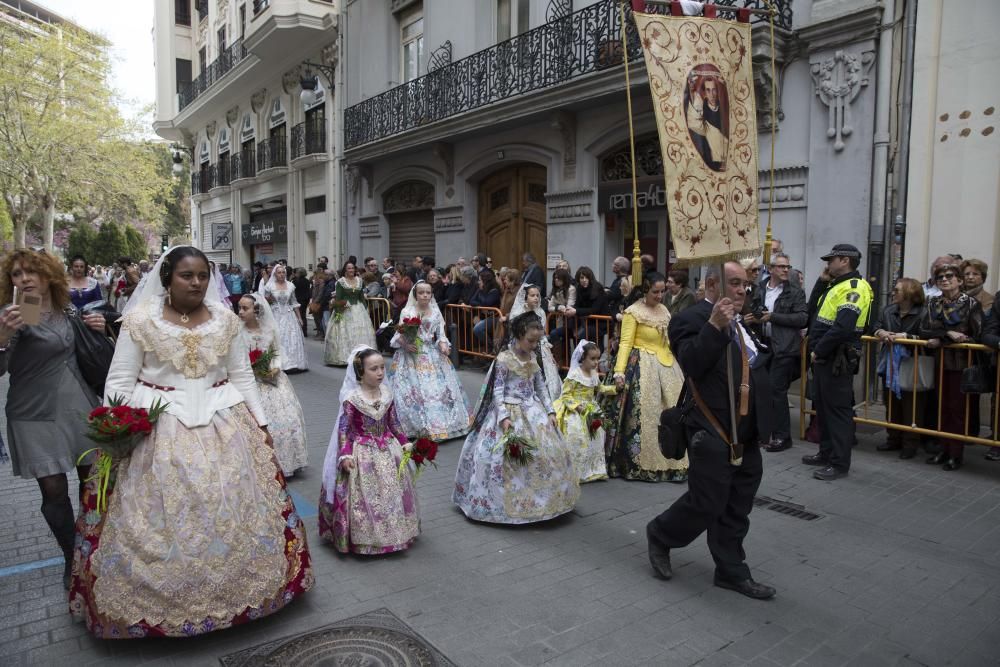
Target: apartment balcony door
[{"x": 512, "y": 215}]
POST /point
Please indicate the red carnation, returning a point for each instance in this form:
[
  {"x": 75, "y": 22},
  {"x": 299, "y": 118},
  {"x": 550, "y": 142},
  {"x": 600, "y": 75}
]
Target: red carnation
[
  {"x": 418, "y": 458},
  {"x": 255, "y": 356},
  {"x": 99, "y": 411}
]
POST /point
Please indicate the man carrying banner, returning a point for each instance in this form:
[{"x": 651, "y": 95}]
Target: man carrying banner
[{"x": 724, "y": 475}]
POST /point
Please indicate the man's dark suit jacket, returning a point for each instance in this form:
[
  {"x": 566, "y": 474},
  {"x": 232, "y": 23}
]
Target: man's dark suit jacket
[
  {"x": 701, "y": 350},
  {"x": 535, "y": 276}
]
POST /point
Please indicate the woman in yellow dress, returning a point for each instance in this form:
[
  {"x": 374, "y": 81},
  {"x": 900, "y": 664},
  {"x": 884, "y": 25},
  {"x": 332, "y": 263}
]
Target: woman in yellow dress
[{"x": 649, "y": 381}]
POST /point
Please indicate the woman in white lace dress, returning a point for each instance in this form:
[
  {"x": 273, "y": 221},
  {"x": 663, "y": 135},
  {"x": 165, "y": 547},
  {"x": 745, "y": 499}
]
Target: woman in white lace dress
[{"x": 287, "y": 319}]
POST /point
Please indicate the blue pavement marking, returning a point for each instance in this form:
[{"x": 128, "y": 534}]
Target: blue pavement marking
[
  {"x": 28, "y": 567},
  {"x": 304, "y": 508}
]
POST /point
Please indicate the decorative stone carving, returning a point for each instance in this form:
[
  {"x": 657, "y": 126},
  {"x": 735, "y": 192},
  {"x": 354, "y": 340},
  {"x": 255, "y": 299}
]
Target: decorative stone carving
[
  {"x": 232, "y": 116},
  {"x": 211, "y": 128},
  {"x": 370, "y": 227},
  {"x": 408, "y": 196},
  {"x": 570, "y": 206},
  {"x": 565, "y": 123},
  {"x": 838, "y": 82},
  {"x": 446, "y": 153},
  {"x": 291, "y": 80},
  {"x": 617, "y": 166},
  {"x": 367, "y": 173},
  {"x": 790, "y": 187},
  {"x": 440, "y": 57},
  {"x": 330, "y": 54},
  {"x": 257, "y": 100}
]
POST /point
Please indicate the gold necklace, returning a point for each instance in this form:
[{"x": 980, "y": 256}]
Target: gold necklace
[{"x": 184, "y": 316}]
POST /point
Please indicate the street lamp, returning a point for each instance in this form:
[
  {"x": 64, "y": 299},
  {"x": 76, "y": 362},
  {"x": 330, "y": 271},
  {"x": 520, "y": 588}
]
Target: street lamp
[
  {"x": 178, "y": 159},
  {"x": 310, "y": 81}
]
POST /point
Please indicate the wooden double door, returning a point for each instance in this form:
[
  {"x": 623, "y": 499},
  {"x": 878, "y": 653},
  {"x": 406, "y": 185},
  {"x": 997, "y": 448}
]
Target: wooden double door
[{"x": 512, "y": 215}]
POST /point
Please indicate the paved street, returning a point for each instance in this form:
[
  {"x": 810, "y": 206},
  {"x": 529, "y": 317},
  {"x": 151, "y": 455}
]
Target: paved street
[{"x": 900, "y": 568}]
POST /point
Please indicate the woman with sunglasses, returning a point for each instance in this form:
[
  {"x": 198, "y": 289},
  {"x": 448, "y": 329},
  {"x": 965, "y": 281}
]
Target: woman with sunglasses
[{"x": 953, "y": 317}]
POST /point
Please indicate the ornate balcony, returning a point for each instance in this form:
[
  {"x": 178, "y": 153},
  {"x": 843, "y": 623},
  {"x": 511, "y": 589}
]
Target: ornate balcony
[
  {"x": 243, "y": 166},
  {"x": 271, "y": 154},
  {"x": 215, "y": 71},
  {"x": 308, "y": 139},
  {"x": 567, "y": 48}
]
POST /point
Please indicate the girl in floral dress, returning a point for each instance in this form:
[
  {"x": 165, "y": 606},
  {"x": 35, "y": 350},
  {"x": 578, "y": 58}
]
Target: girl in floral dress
[
  {"x": 430, "y": 400},
  {"x": 529, "y": 300},
  {"x": 487, "y": 486},
  {"x": 367, "y": 505},
  {"x": 287, "y": 423},
  {"x": 280, "y": 294},
  {"x": 577, "y": 407},
  {"x": 352, "y": 327}
]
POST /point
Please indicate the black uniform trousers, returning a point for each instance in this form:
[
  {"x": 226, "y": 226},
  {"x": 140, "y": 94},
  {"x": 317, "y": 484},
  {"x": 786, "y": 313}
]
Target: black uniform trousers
[
  {"x": 834, "y": 402},
  {"x": 718, "y": 500}
]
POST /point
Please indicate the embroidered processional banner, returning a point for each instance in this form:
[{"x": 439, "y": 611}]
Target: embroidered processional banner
[{"x": 701, "y": 78}]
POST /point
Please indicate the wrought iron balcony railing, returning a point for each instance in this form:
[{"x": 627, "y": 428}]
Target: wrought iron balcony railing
[
  {"x": 215, "y": 71},
  {"x": 574, "y": 45},
  {"x": 199, "y": 183},
  {"x": 308, "y": 138},
  {"x": 271, "y": 152},
  {"x": 221, "y": 173},
  {"x": 243, "y": 164}
]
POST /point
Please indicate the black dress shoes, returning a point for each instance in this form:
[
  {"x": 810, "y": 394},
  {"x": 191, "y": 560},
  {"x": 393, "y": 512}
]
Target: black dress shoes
[
  {"x": 747, "y": 587},
  {"x": 952, "y": 464},
  {"x": 938, "y": 459},
  {"x": 993, "y": 454},
  {"x": 829, "y": 473},
  {"x": 778, "y": 445},
  {"x": 815, "y": 460},
  {"x": 659, "y": 557}
]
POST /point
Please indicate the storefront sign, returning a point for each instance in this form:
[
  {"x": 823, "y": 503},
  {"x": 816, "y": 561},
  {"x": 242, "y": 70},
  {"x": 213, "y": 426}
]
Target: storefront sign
[
  {"x": 651, "y": 193},
  {"x": 265, "y": 231}
]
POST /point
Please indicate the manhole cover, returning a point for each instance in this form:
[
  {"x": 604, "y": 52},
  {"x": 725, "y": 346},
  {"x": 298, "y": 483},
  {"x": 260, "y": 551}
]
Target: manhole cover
[{"x": 375, "y": 639}]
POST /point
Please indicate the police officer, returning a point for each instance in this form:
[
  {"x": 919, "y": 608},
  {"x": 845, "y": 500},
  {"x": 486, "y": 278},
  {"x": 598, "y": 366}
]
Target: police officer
[{"x": 834, "y": 349}]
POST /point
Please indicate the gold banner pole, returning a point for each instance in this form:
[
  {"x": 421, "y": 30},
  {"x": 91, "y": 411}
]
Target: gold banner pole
[{"x": 636, "y": 261}]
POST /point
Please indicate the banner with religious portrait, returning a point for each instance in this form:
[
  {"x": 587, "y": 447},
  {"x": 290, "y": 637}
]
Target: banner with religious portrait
[{"x": 701, "y": 78}]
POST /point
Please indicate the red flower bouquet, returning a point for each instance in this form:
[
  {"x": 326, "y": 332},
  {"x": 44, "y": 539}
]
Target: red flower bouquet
[
  {"x": 517, "y": 450},
  {"x": 260, "y": 362},
  {"x": 595, "y": 422},
  {"x": 117, "y": 429},
  {"x": 409, "y": 328},
  {"x": 338, "y": 307},
  {"x": 422, "y": 452}
]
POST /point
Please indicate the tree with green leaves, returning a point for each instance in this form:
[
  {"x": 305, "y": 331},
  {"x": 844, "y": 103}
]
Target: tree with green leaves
[{"x": 63, "y": 143}]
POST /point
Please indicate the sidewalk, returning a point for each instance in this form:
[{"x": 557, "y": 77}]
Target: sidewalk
[{"x": 900, "y": 568}]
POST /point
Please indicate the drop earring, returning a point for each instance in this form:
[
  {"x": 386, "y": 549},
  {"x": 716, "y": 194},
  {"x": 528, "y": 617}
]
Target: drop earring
[{"x": 169, "y": 300}]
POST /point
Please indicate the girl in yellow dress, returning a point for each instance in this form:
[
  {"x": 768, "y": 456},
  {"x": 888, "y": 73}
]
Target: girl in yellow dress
[{"x": 577, "y": 409}]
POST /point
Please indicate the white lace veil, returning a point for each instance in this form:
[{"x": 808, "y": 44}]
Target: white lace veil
[
  {"x": 410, "y": 309},
  {"x": 272, "y": 283},
  {"x": 520, "y": 307},
  {"x": 575, "y": 372},
  {"x": 220, "y": 284},
  {"x": 265, "y": 320},
  {"x": 333, "y": 449},
  {"x": 149, "y": 286}
]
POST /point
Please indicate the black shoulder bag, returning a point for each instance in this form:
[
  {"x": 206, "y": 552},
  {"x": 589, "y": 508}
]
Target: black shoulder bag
[{"x": 94, "y": 352}]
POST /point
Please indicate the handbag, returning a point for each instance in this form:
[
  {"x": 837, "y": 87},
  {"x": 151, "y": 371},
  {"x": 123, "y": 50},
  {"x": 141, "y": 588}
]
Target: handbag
[
  {"x": 315, "y": 307},
  {"x": 925, "y": 373},
  {"x": 974, "y": 380},
  {"x": 94, "y": 352},
  {"x": 672, "y": 433}
]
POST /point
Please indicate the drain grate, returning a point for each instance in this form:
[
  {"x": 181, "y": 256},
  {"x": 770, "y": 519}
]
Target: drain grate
[{"x": 786, "y": 508}]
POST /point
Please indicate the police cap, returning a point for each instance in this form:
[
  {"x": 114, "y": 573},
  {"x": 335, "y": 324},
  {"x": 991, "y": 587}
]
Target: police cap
[{"x": 842, "y": 250}]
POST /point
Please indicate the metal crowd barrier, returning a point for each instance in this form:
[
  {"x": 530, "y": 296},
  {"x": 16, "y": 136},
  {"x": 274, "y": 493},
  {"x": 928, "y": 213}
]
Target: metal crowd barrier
[
  {"x": 920, "y": 401},
  {"x": 596, "y": 328},
  {"x": 464, "y": 319},
  {"x": 379, "y": 310}
]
